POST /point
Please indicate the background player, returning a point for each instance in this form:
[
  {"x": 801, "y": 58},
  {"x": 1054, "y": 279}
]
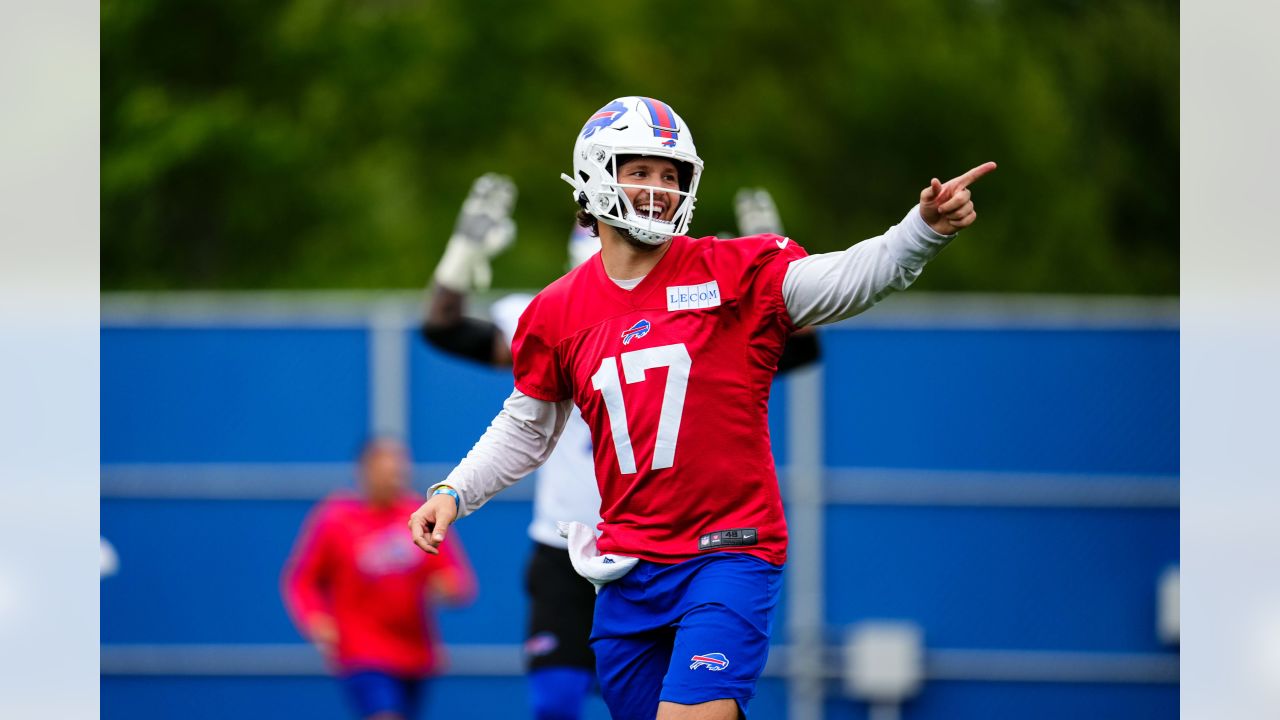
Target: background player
[
  {"x": 558, "y": 656},
  {"x": 693, "y": 535},
  {"x": 363, "y": 595}
]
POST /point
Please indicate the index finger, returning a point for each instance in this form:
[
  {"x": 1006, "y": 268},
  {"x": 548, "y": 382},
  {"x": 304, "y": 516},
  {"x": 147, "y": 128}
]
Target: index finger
[{"x": 972, "y": 176}]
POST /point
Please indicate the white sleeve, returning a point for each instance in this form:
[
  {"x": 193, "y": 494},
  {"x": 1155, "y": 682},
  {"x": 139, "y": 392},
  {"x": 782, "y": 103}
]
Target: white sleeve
[
  {"x": 518, "y": 441},
  {"x": 833, "y": 286}
]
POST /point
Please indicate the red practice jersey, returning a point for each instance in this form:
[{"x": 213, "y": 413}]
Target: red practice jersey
[
  {"x": 673, "y": 379},
  {"x": 355, "y": 563}
]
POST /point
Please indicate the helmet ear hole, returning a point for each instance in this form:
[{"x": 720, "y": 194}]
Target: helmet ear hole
[{"x": 619, "y": 161}]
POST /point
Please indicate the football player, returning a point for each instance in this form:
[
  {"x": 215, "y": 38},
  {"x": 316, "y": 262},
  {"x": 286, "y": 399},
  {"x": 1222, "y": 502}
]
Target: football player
[
  {"x": 667, "y": 344},
  {"x": 364, "y": 597},
  {"x": 557, "y": 652}
]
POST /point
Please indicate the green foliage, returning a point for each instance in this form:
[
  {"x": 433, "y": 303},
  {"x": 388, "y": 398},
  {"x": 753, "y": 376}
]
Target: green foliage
[{"x": 329, "y": 143}]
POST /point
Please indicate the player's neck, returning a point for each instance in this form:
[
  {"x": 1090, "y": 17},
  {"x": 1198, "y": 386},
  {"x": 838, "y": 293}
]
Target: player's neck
[{"x": 625, "y": 258}]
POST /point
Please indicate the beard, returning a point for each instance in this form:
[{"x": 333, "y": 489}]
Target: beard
[{"x": 638, "y": 245}]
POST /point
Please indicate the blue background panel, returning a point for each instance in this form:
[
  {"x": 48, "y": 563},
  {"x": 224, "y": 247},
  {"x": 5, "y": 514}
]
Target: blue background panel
[
  {"x": 218, "y": 698},
  {"x": 1087, "y": 401},
  {"x": 321, "y": 698},
  {"x": 233, "y": 395},
  {"x": 1100, "y": 403},
  {"x": 1011, "y": 578},
  {"x": 946, "y": 700},
  {"x": 209, "y": 572},
  {"x": 451, "y": 402},
  {"x": 314, "y": 698}
]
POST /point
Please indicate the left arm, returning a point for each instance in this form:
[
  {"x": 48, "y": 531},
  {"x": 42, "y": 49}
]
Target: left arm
[
  {"x": 516, "y": 443},
  {"x": 833, "y": 286}
]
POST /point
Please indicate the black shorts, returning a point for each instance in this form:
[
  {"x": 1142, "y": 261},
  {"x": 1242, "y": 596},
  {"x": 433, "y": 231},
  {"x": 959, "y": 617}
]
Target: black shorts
[{"x": 561, "y": 605}]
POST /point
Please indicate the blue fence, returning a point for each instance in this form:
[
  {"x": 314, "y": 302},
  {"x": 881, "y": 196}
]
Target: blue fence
[{"x": 1009, "y": 485}]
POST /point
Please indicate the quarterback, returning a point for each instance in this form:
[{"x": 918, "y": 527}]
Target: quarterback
[{"x": 667, "y": 344}]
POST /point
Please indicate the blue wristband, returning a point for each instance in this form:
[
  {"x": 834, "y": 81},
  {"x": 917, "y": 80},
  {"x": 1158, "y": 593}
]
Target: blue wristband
[{"x": 446, "y": 490}]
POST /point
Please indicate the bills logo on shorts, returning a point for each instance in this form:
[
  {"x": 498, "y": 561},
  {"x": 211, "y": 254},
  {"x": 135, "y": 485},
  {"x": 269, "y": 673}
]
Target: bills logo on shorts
[
  {"x": 639, "y": 330},
  {"x": 603, "y": 118},
  {"x": 711, "y": 661}
]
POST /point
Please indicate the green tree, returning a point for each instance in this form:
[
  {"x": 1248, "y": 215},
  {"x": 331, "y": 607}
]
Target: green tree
[{"x": 328, "y": 143}]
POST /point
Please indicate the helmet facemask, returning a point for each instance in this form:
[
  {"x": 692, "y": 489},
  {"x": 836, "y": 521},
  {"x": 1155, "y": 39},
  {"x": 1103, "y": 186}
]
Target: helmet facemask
[{"x": 649, "y": 230}]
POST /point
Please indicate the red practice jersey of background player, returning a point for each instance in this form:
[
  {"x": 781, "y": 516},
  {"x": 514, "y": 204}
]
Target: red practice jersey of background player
[
  {"x": 354, "y": 563},
  {"x": 673, "y": 379}
]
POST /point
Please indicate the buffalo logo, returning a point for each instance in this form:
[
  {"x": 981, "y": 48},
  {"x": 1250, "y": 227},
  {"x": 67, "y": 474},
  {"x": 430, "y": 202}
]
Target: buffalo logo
[
  {"x": 639, "y": 330},
  {"x": 603, "y": 118},
  {"x": 711, "y": 661}
]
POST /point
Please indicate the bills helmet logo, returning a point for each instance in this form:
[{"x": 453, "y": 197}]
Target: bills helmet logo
[
  {"x": 639, "y": 330},
  {"x": 711, "y": 661},
  {"x": 603, "y": 118},
  {"x": 663, "y": 121}
]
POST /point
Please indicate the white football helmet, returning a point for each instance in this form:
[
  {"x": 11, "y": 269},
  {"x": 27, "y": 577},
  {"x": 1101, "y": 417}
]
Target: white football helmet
[{"x": 633, "y": 126}]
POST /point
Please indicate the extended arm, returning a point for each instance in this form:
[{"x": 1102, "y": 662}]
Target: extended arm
[
  {"x": 517, "y": 442},
  {"x": 833, "y": 286}
]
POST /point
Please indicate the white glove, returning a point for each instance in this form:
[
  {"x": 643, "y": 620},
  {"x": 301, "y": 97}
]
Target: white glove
[
  {"x": 587, "y": 561},
  {"x": 756, "y": 212},
  {"x": 483, "y": 230}
]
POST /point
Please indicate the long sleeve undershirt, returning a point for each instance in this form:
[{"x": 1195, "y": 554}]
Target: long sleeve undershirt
[
  {"x": 816, "y": 289},
  {"x": 833, "y": 286}
]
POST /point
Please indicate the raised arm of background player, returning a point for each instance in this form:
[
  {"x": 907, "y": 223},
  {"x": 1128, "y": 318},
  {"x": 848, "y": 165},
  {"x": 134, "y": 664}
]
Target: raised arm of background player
[
  {"x": 467, "y": 257},
  {"x": 816, "y": 289},
  {"x": 484, "y": 229}
]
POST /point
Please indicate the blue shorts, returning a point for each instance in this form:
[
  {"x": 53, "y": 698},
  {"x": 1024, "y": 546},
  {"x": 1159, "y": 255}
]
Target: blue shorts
[
  {"x": 372, "y": 692},
  {"x": 686, "y": 633}
]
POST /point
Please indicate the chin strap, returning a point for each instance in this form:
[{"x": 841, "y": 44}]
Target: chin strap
[{"x": 643, "y": 236}]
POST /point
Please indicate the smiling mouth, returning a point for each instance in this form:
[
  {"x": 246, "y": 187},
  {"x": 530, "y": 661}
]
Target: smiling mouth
[{"x": 651, "y": 211}]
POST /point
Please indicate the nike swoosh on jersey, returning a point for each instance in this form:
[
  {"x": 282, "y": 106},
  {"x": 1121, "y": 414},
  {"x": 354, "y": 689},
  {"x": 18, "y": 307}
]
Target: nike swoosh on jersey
[{"x": 782, "y": 244}]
